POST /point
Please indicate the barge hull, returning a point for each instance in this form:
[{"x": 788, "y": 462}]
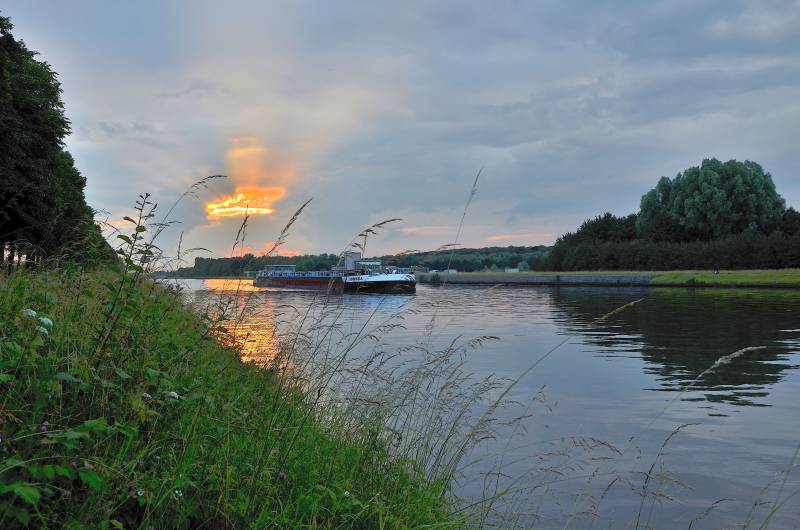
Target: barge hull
[
  {"x": 330, "y": 285},
  {"x": 381, "y": 283}
]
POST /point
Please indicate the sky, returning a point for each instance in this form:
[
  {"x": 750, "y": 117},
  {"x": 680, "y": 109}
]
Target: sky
[{"x": 378, "y": 110}]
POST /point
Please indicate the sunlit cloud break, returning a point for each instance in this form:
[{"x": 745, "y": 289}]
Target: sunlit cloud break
[
  {"x": 250, "y": 201},
  {"x": 244, "y": 250},
  {"x": 249, "y": 171}
]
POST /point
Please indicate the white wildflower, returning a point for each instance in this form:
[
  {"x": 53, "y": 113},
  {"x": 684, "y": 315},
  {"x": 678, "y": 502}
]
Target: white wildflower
[
  {"x": 29, "y": 313},
  {"x": 42, "y": 329},
  {"x": 46, "y": 322},
  {"x": 173, "y": 394},
  {"x": 145, "y": 395}
]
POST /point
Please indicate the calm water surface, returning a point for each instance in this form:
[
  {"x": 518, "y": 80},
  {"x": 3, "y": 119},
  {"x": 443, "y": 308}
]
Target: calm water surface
[{"x": 621, "y": 383}]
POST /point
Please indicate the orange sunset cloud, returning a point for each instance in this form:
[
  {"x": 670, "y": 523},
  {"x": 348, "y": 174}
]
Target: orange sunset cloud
[{"x": 260, "y": 181}]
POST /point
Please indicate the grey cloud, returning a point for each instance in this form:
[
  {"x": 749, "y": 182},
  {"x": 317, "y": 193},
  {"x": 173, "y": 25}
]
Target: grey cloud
[
  {"x": 572, "y": 107},
  {"x": 198, "y": 88},
  {"x": 126, "y": 129}
]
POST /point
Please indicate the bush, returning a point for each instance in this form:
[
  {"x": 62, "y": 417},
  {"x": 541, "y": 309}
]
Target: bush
[{"x": 745, "y": 251}]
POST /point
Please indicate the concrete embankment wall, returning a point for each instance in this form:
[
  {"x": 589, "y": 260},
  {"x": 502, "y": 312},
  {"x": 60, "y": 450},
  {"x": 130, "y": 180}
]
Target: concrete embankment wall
[{"x": 542, "y": 279}]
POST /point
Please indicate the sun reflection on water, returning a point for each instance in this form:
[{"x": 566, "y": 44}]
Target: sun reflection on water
[{"x": 252, "y": 320}]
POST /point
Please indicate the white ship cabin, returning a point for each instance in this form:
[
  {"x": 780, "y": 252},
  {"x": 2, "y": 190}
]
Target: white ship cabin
[
  {"x": 349, "y": 259},
  {"x": 368, "y": 265},
  {"x": 352, "y": 261}
]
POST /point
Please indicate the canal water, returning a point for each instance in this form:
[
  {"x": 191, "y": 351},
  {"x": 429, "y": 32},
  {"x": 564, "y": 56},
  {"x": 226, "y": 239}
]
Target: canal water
[{"x": 626, "y": 420}]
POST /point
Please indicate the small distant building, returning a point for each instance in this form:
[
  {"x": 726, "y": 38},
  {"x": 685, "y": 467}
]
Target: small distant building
[{"x": 512, "y": 269}]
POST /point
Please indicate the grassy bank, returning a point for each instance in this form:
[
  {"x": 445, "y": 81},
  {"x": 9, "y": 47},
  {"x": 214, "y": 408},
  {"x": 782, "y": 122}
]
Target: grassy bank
[
  {"x": 786, "y": 278},
  {"x": 744, "y": 278},
  {"x": 121, "y": 409}
]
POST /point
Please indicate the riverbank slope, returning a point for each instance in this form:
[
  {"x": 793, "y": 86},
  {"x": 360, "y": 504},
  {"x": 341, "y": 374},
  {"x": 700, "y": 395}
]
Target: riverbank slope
[
  {"x": 123, "y": 409},
  {"x": 780, "y": 278}
]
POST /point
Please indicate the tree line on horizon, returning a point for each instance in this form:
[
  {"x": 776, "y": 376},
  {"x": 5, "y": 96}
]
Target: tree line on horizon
[
  {"x": 43, "y": 210},
  {"x": 462, "y": 259},
  {"x": 716, "y": 215}
]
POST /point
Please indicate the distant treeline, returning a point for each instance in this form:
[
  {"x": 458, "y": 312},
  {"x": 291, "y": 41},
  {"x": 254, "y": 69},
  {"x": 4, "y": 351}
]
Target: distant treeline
[
  {"x": 43, "y": 212},
  {"x": 222, "y": 267},
  {"x": 473, "y": 259},
  {"x": 726, "y": 215},
  {"x": 463, "y": 259}
]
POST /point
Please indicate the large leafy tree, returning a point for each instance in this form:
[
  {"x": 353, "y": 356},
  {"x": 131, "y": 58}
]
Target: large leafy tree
[
  {"x": 43, "y": 210},
  {"x": 709, "y": 201}
]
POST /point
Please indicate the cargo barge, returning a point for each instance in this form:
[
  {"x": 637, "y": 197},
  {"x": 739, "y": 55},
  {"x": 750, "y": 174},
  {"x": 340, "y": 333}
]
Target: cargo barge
[{"x": 357, "y": 276}]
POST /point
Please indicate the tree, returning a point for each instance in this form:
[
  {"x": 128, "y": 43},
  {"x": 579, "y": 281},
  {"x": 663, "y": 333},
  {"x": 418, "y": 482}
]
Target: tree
[
  {"x": 43, "y": 210},
  {"x": 711, "y": 201},
  {"x": 790, "y": 224}
]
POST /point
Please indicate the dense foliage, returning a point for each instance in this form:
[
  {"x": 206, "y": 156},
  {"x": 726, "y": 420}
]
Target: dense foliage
[
  {"x": 710, "y": 201},
  {"x": 718, "y": 215},
  {"x": 43, "y": 211},
  {"x": 744, "y": 251},
  {"x": 463, "y": 259}
]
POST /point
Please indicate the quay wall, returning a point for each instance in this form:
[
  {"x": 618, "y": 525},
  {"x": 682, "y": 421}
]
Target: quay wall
[{"x": 541, "y": 279}]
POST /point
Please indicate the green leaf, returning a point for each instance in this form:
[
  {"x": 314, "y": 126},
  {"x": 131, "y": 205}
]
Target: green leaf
[
  {"x": 67, "y": 377},
  {"x": 72, "y": 435},
  {"x": 26, "y": 492},
  {"x": 105, "y": 383},
  {"x": 12, "y": 461},
  {"x": 98, "y": 425},
  {"x": 49, "y": 471},
  {"x": 155, "y": 374},
  {"x": 126, "y": 218},
  {"x": 91, "y": 478},
  {"x": 125, "y": 239},
  {"x": 141, "y": 228},
  {"x": 128, "y": 430},
  {"x": 116, "y": 524},
  {"x": 22, "y": 516},
  {"x": 64, "y": 471},
  {"x": 7, "y": 378},
  {"x": 122, "y": 373}
]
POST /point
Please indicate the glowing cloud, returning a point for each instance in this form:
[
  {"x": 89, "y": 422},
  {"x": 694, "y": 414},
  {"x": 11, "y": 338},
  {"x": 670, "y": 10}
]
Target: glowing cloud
[
  {"x": 520, "y": 236},
  {"x": 280, "y": 251},
  {"x": 250, "y": 171},
  {"x": 251, "y": 201},
  {"x": 427, "y": 230},
  {"x": 249, "y": 249}
]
